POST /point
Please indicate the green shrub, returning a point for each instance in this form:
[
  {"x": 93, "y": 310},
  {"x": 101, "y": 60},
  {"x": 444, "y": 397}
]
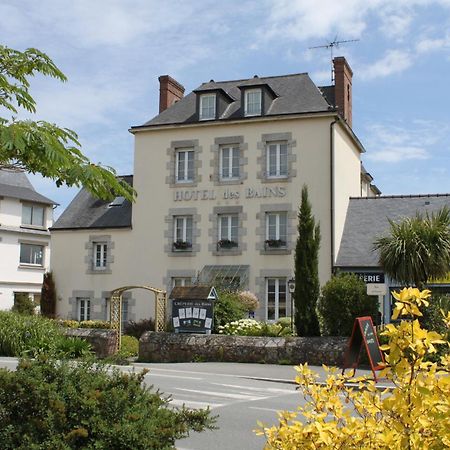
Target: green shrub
[
  {"x": 48, "y": 404},
  {"x": 129, "y": 346},
  {"x": 23, "y": 304},
  {"x": 343, "y": 299},
  {"x": 73, "y": 347},
  {"x": 137, "y": 329},
  {"x": 29, "y": 334},
  {"x": 98, "y": 324},
  {"x": 227, "y": 308}
]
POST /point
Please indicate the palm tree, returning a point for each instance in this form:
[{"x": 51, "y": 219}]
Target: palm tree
[{"x": 417, "y": 248}]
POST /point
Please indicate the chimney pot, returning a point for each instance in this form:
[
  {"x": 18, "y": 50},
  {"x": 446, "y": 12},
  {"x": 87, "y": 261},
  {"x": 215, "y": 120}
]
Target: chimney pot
[
  {"x": 170, "y": 91},
  {"x": 343, "y": 75}
]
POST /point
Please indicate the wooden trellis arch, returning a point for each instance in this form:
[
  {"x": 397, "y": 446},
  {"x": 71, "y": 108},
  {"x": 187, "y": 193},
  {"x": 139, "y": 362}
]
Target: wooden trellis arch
[{"x": 116, "y": 309}]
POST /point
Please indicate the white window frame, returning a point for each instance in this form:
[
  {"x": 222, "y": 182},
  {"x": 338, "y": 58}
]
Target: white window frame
[
  {"x": 229, "y": 227},
  {"x": 278, "y": 282},
  {"x": 247, "y": 94},
  {"x": 34, "y": 264},
  {"x": 182, "y": 176},
  {"x": 203, "y": 109},
  {"x": 184, "y": 228},
  {"x": 84, "y": 308},
  {"x": 234, "y": 152},
  {"x": 100, "y": 263},
  {"x": 278, "y": 235},
  {"x": 278, "y": 173},
  {"x": 33, "y": 214}
]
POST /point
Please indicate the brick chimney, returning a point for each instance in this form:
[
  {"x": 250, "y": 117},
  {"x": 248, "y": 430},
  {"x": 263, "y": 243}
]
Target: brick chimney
[
  {"x": 343, "y": 88},
  {"x": 170, "y": 91}
]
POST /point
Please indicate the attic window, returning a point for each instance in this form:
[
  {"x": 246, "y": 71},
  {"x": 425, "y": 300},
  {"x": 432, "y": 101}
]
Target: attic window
[
  {"x": 118, "y": 201},
  {"x": 207, "y": 106},
  {"x": 253, "y": 102}
]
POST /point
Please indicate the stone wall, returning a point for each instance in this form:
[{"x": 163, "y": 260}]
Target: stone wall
[
  {"x": 103, "y": 341},
  {"x": 173, "y": 347}
]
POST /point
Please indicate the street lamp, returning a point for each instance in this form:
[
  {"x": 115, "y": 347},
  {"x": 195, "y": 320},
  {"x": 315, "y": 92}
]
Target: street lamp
[{"x": 291, "y": 287}]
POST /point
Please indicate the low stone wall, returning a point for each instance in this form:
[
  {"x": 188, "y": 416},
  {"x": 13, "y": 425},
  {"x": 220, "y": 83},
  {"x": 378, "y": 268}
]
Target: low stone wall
[
  {"x": 103, "y": 341},
  {"x": 173, "y": 347}
]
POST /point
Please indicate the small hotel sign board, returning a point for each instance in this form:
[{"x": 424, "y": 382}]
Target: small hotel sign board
[
  {"x": 376, "y": 289},
  {"x": 193, "y": 309},
  {"x": 371, "y": 277},
  {"x": 364, "y": 335}
]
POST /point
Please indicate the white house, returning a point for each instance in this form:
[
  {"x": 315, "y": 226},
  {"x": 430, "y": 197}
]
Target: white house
[
  {"x": 218, "y": 174},
  {"x": 25, "y": 217}
]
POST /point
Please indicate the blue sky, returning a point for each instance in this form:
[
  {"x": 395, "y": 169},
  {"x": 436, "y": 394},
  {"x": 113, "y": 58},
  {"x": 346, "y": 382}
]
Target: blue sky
[{"x": 113, "y": 52}]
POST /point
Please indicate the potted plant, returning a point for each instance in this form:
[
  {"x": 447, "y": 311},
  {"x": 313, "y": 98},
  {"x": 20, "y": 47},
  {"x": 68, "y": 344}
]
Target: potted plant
[
  {"x": 226, "y": 243},
  {"x": 275, "y": 243},
  {"x": 182, "y": 245}
]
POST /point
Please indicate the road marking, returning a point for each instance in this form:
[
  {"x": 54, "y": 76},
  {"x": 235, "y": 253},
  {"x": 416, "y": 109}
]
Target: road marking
[
  {"x": 194, "y": 404},
  {"x": 224, "y": 394},
  {"x": 249, "y": 388},
  {"x": 162, "y": 375},
  {"x": 263, "y": 409}
]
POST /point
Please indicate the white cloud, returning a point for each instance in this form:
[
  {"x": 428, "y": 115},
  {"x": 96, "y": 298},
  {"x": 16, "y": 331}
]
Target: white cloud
[
  {"x": 398, "y": 154},
  {"x": 427, "y": 45},
  {"x": 400, "y": 142},
  {"x": 394, "y": 61}
]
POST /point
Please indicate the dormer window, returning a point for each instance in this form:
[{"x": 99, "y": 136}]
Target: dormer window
[
  {"x": 253, "y": 102},
  {"x": 207, "y": 106}
]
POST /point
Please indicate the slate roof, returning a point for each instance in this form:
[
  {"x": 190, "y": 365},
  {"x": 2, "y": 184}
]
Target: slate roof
[
  {"x": 15, "y": 184},
  {"x": 198, "y": 292},
  {"x": 295, "y": 94},
  {"x": 86, "y": 211},
  {"x": 367, "y": 219}
]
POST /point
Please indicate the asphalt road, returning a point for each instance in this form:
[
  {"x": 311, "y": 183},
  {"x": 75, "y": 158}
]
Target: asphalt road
[{"x": 240, "y": 394}]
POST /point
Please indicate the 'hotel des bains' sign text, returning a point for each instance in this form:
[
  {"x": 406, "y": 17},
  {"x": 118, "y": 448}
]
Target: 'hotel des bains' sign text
[{"x": 229, "y": 194}]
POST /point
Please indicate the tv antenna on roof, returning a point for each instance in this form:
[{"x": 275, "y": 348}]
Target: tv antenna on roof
[{"x": 331, "y": 45}]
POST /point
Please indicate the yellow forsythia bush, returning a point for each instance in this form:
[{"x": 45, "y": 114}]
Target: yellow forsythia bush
[{"x": 414, "y": 414}]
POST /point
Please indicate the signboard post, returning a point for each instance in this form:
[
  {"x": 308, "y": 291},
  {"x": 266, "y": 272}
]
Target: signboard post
[{"x": 364, "y": 334}]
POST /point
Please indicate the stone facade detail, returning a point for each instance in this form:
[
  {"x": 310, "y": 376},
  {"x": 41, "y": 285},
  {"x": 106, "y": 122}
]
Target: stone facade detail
[
  {"x": 171, "y": 164},
  {"x": 169, "y": 232},
  {"x": 103, "y": 341},
  {"x": 90, "y": 257},
  {"x": 173, "y": 347}
]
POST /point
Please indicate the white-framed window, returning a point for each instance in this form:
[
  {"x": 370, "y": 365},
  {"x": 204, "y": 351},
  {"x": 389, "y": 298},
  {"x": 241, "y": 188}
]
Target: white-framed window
[
  {"x": 253, "y": 102},
  {"x": 32, "y": 254},
  {"x": 276, "y": 229},
  {"x": 276, "y": 296},
  {"x": 33, "y": 215},
  {"x": 84, "y": 308},
  {"x": 228, "y": 228},
  {"x": 184, "y": 166},
  {"x": 229, "y": 162},
  {"x": 181, "y": 281},
  {"x": 207, "y": 106},
  {"x": 182, "y": 232},
  {"x": 100, "y": 255},
  {"x": 125, "y": 312},
  {"x": 277, "y": 164}
]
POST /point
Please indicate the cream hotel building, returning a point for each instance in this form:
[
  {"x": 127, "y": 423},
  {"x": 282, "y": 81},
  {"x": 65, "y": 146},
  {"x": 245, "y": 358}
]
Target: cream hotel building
[{"x": 219, "y": 174}]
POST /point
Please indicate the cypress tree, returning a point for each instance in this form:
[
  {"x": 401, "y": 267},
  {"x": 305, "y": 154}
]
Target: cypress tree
[
  {"x": 307, "y": 287},
  {"x": 48, "y": 296}
]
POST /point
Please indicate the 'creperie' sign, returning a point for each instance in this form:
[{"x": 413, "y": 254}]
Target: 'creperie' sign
[{"x": 370, "y": 277}]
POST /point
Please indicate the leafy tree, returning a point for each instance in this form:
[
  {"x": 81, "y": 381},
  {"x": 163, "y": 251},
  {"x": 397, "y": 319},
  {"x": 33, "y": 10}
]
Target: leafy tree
[
  {"x": 344, "y": 297},
  {"x": 40, "y": 146},
  {"x": 413, "y": 415},
  {"x": 48, "y": 296},
  {"x": 307, "y": 285},
  {"x": 417, "y": 248}
]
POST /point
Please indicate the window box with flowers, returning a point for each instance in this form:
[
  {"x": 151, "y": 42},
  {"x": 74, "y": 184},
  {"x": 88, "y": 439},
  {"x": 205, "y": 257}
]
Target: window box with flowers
[
  {"x": 226, "y": 244},
  {"x": 182, "y": 245},
  {"x": 275, "y": 243}
]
